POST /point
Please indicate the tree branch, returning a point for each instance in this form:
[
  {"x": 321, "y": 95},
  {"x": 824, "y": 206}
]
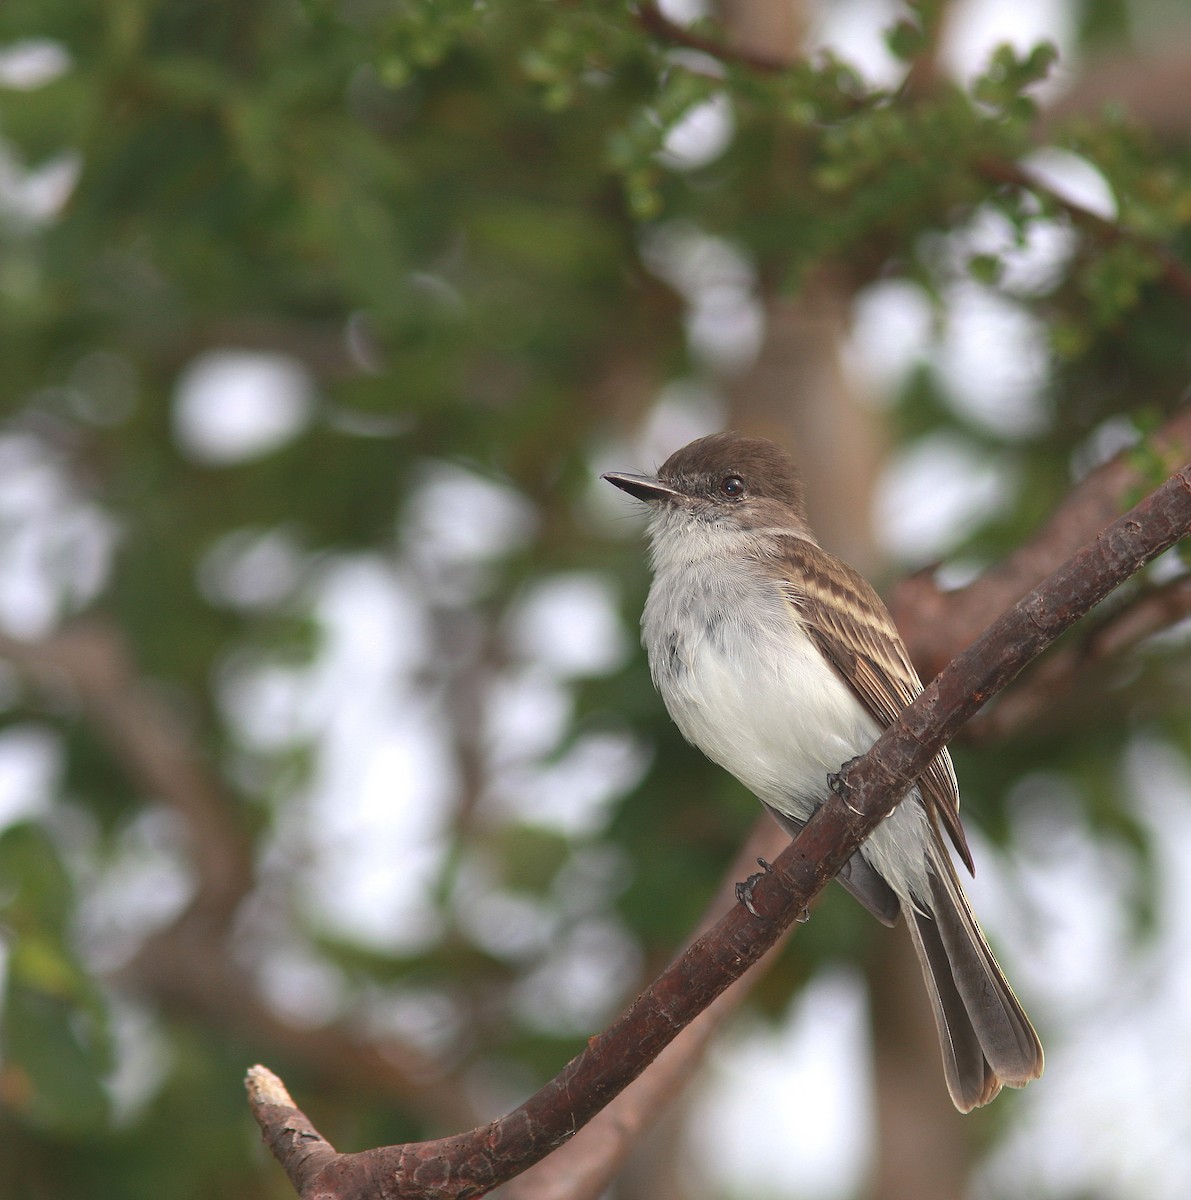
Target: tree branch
[
  {"x": 1061, "y": 674},
  {"x": 472, "y": 1163},
  {"x": 918, "y": 82},
  {"x": 1175, "y": 273},
  {"x": 936, "y": 624},
  {"x": 654, "y": 21},
  {"x": 583, "y": 1168}
]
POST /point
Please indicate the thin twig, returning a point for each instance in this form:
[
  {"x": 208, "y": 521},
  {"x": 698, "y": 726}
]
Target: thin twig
[
  {"x": 1175, "y": 272},
  {"x": 654, "y": 21}
]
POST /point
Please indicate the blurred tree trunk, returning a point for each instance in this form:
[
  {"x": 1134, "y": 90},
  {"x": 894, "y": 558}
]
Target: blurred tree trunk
[
  {"x": 923, "y": 1146},
  {"x": 798, "y": 394},
  {"x": 773, "y": 28},
  {"x": 655, "y": 1167}
]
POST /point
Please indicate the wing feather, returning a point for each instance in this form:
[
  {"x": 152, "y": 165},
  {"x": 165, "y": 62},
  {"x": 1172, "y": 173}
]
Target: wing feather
[{"x": 851, "y": 626}]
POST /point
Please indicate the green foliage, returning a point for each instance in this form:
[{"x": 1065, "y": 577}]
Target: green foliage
[{"x": 54, "y": 1036}]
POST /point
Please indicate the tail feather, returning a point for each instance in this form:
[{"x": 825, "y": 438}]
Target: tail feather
[{"x": 987, "y": 1039}]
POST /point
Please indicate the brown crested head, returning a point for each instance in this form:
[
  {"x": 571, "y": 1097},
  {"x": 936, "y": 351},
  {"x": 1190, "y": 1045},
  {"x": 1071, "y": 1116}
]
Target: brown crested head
[{"x": 745, "y": 474}]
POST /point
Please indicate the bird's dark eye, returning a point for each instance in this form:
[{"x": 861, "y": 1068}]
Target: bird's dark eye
[{"x": 732, "y": 486}]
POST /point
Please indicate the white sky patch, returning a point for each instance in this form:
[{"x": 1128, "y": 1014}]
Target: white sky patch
[
  {"x": 892, "y": 329},
  {"x": 725, "y": 321},
  {"x": 370, "y": 828},
  {"x": 267, "y": 705},
  {"x": 30, "y": 763},
  {"x": 574, "y": 794},
  {"x": 456, "y": 523},
  {"x": 430, "y": 1019},
  {"x": 34, "y": 196},
  {"x": 591, "y": 878},
  {"x": 510, "y": 925},
  {"x": 460, "y": 516},
  {"x": 384, "y": 781},
  {"x": 933, "y": 493},
  {"x": 787, "y": 1111},
  {"x": 142, "y": 1053},
  {"x": 700, "y": 136},
  {"x": 974, "y": 29},
  {"x": 233, "y": 406},
  {"x": 146, "y": 880},
  {"x": 1062, "y": 948},
  {"x": 994, "y": 361},
  {"x": 684, "y": 11},
  {"x": 381, "y": 800},
  {"x": 1110, "y": 1116},
  {"x": 55, "y": 546},
  {"x": 32, "y": 63},
  {"x": 252, "y": 568},
  {"x": 527, "y": 714},
  {"x": 1108, "y": 439},
  {"x": 1032, "y": 268},
  {"x": 570, "y": 625},
  {"x": 1073, "y": 178},
  {"x": 854, "y": 30},
  {"x": 302, "y": 986},
  {"x": 685, "y": 410},
  {"x": 373, "y": 627},
  {"x": 582, "y": 983}
]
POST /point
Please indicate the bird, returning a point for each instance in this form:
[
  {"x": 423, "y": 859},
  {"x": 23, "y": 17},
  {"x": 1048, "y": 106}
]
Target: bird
[{"x": 780, "y": 663}]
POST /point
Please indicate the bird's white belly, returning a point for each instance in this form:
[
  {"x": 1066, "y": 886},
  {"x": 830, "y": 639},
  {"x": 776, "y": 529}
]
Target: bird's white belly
[
  {"x": 775, "y": 715},
  {"x": 757, "y": 696}
]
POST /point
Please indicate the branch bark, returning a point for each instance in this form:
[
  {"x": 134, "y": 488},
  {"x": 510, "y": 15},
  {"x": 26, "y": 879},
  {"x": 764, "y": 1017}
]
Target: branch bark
[
  {"x": 936, "y": 624},
  {"x": 583, "y": 1168},
  {"x": 472, "y": 1163}
]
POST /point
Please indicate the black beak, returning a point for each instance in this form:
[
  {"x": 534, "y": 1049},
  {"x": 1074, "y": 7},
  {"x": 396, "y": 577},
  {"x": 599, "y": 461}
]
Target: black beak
[{"x": 644, "y": 487}]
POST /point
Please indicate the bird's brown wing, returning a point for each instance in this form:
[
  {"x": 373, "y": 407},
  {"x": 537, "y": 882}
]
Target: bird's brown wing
[{"x": 851, "y": 626}]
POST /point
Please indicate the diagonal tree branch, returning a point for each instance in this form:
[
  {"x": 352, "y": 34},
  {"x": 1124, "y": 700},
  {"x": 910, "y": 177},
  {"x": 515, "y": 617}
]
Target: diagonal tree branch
[
  {"x": 583, "y": 1168},
  {"x": 654, "y": 21},
  {"x": 937, "y": 624},
  {"x": 472, "y": 1163},
  {"x": 1061, "y": 675}
]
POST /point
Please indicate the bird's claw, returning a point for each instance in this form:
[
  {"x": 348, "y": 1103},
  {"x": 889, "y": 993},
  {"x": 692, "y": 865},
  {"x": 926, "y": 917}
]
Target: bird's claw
[
  {"x": 744, "y": 889},
  {"x": 837, "y": 781}
]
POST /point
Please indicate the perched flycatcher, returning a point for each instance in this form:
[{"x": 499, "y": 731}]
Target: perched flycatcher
[{"x": 780, "y": 663}]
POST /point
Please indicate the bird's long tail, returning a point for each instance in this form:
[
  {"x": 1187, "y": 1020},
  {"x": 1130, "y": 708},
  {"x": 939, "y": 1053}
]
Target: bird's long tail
[{"x": 987, "y": 1039}]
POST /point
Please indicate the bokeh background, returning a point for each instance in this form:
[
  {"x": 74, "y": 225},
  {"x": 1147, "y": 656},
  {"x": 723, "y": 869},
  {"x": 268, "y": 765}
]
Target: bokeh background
[{"x": 325, "y": 737}]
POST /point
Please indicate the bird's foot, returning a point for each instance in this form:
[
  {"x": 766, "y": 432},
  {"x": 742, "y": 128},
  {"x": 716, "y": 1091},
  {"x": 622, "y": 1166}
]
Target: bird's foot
[
  {"x": 837, "y": 781},
  {"x": 744, "y": 890}
]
